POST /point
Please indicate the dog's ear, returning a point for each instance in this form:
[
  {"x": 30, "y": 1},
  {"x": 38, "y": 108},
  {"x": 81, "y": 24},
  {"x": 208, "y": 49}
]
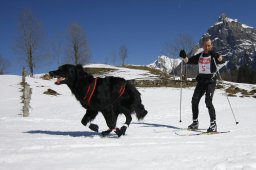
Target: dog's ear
[{"x": 79, "y": 70}]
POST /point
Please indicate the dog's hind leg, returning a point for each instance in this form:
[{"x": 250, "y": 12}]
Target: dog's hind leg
[
  {"x": 88, "y": 117},
  {"x": 123, "y": 129},
  {"x": 128, "y": 118}
]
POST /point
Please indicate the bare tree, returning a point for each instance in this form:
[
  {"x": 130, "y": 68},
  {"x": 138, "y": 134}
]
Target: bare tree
[
  {"x": 123, "y": 53},
  {"x": 3, "y": 65},
  {"x": 183, "y": 41},
  {"x": 79, "y": 51},
  {"x": 106, "y": 60},
  {"x": 113, "y": 57},
  {"x": 29, "y": 37},
  {"x": 57, "y": 49}
]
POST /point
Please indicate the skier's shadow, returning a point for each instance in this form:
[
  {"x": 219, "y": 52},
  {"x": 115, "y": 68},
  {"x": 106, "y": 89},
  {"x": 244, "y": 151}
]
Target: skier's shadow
[
  {"x": 156, "y": 125},
  {"x": 64, "y": 133}
]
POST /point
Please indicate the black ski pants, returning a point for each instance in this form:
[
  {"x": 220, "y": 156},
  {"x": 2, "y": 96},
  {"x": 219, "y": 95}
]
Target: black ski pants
[{"x": 207, "y": 88}]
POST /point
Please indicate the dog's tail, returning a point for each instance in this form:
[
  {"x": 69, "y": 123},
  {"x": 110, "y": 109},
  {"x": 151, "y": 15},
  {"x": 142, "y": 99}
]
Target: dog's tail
[
  {"x": 140, "y": 112},
  {"x": 137, "y": 105}
]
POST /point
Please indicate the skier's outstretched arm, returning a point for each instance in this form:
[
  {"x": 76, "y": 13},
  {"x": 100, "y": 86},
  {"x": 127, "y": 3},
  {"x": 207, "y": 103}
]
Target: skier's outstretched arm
[{"x": 191, "y": 60}]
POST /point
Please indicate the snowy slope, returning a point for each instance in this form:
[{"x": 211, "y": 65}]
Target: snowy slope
[
  {"x": 126, "y": 73},
  {"x": 53, "y": 137}
]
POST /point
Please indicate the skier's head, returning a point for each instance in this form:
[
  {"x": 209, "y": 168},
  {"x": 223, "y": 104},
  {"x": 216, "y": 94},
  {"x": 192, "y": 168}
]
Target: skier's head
[{"x": 207, "y": 44}]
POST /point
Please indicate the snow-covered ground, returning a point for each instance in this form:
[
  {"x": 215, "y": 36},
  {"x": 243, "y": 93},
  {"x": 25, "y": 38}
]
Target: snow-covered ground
[
  {"x": 52, "y": 137},
  {"x": 126, "y": 73}
]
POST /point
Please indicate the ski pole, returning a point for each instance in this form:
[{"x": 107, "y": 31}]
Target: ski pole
[
  {"x": 181, "y": 88},
  {"x": 225, "y": 91}
]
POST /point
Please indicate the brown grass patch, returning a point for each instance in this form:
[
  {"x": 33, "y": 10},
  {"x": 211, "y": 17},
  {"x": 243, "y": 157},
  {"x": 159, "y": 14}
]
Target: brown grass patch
[{"x": 51, "y": 92}]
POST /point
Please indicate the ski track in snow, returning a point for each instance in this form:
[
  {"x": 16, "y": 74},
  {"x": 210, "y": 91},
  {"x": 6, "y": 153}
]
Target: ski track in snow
[{"x": 53, "y": 137}]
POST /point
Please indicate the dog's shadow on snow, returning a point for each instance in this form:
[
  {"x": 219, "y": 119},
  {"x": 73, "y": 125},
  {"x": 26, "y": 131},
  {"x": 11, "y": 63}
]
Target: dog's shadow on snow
[
  {"x": 64, "y": 133},
  {"x": 92, "y": 134},
  {"x": 155, "y": 125}
]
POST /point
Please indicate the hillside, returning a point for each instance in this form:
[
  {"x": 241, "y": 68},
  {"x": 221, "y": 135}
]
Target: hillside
[{"x": 52, "y": 137}]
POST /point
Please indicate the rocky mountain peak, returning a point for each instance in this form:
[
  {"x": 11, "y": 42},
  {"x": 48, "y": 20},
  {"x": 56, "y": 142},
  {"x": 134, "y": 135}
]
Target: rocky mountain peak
[
  {"x": 236, "y": 42},
  {"x": 165, "y": 63}
]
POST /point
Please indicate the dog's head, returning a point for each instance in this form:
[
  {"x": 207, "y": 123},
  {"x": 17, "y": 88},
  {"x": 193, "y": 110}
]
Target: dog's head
[{"x": 67, "y": 74}]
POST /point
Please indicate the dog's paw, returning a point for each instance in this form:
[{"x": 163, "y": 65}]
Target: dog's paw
[
  {"x": 118, "y": 132},
  {"x": 84, "y": 122},
  {"x": 94, "y": 127},
  {"x": 105, "y": 133},
  {"x": 121, "y": 131}
]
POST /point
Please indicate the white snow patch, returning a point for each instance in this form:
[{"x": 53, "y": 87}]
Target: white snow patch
[
  {"x": 216, "y": 38},
  {"x": 100, "y": 66},
  {"x": 53, "y": 137},
  {"x": 231, "y": 20},
  {"x": 218, "y": 23},
  {"x": 200, "y": 50},
  {"x": 246, "y": 26},
  {"x": 123, "y": 72}
]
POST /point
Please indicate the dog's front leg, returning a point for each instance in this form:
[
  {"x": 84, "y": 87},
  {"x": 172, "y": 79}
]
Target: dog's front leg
[{"x": 88, "y": 117}]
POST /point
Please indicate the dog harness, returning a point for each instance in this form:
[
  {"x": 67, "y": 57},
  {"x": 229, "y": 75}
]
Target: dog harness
[
  {"x": 91, "y": 90},
  {"x": 121, "y": 90}
]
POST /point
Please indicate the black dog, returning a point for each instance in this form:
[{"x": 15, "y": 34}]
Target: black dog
[{"x": 110, "y": 95}]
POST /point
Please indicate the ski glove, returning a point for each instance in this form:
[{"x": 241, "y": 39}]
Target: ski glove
[
  {"x": 183, "y": 54},
  {"x": 217, "y": 56},
  {"x": 214, "y": 54}
]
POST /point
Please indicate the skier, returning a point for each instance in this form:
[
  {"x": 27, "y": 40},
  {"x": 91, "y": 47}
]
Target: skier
[{"x": 206, "y": 81}]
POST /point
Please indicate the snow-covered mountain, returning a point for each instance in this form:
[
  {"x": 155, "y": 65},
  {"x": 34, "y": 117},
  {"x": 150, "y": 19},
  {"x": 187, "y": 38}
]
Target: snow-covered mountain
[
  {"x": 235, "y": 41},
  {"x": 165, "y": 63}
]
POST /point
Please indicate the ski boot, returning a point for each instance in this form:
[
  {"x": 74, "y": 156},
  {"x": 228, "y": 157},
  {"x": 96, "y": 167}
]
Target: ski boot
[
  {"x": 194, "y": 125},
  {"x": 213, "y": 127}
]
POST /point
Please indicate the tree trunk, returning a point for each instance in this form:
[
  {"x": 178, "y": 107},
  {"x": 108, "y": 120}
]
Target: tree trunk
[
  {"x": 27, "y": 91},
  {"x": 76, "y": 48},
  {"x": 185, "y": 75},
  {"x": 27, "y": 97},
  {"x": 30, "y": 61}
]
